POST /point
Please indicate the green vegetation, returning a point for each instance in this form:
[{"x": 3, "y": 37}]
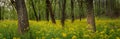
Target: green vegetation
[
  {"x": 106, "y": 29},
  {"x": 59, "y": 19}
]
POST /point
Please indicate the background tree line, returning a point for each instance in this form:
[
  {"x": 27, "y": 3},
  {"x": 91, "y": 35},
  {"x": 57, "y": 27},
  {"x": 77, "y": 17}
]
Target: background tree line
[
  {"x": 106, "y": 8},
  {"x": 57, "y": 9}
]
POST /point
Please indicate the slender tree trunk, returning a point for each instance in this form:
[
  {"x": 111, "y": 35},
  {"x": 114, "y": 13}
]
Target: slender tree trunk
[
  {"x": 63, "y": 12},
  {"x": 39, "y": 15},
  {"x": 0, "y": 13},
  {"x": 80, "y": 4},
  {"x": 54, "y": 6},
  {"x": 60, "y": 7},
  {"x": 49, "y": 6},
  {"x": 35, "y": 13},
  {"x": 72, "y": 10},
  {"x": 22, "y": 16},
  {"x": 99, "y": 8},
  {"x": 47, "y": 14},
  {"x": 90, "y": 15}
]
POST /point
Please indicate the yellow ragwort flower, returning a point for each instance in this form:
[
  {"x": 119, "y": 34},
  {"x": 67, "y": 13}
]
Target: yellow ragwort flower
[
  {"x": 57, "y": 38},
  {"x": 74, "y": 37},
  {"x": 4, "y": 38},
  {"x": 85, "y": 35},
  {"x": 43, "y": 37},
  {"x": 64, "y": 34},
  {"x": 117, "y": 37},
  {"x": 14, "y": 38},
  {"x": 52, "y": 38},
  {"x": 37, "y": 38}
]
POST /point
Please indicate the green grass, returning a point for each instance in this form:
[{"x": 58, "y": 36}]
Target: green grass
[{"x": 106, "y": 29}]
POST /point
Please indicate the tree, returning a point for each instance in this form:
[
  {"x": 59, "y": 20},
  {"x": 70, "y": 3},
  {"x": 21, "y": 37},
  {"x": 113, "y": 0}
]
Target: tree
[
  {"x": 63, "y": 12},
  {"x": 35, "y": 13},
  {"x": 60, "y": 8},
  {"x": 49, "y": 6},
  {"x": 47, "y": 14},
  {"x": 80, "y": 4},
  {"x": 23, "y": 24},
  {"x": 72, "y": 10},
  {"x": 0, "y": 13},
  {"x": 90, "y": 14},
  {"x": 112, "y": 8}
]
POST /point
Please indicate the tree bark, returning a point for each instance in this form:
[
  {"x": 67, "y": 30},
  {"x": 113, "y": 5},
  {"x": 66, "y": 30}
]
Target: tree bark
[
  {"x": 39, "y": 15},
  {"x": 49, "y": 6},
  {"x": 90, "y": 15},
  {"x": 63, "y": 12},
  {"x": 72, "y": 10},
  {"x": 60, "y": 8},
  {"x": 23, "y": 24},
  {"x": 0, "y": 13},
  {"x": 47, "y": 14},
  {"x": 80, "y": 4},
  {"x": 35, "y": 13}
]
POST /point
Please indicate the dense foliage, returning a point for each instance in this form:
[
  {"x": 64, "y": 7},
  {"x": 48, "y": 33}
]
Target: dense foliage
[
  {"x": 103, "y": 8},
  {"x": 106, "y": 29}
]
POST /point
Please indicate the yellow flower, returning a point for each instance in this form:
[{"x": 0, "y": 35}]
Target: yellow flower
[
  {"x": 37, "y": 38},
  {"x": 18, "y": 38},
  {"x": 102, "y": 32},
  {"x": 57, "y": 38},
  {"x": 14, "y": 38},
  {"x": 86, "y": 35},
  {"x": 52, "y": 38},
  {"x": 112, "y": 30},
  {"x": 118, "y": 30},
  {"x": 101, "y": 35},
  {"x": 74, "y": 37},
  {"x": 117, "y": 37},
  {"x": 43, "y": 37},
  {"x": 71, "y": 29},
  {"x": 4, "y": 38},
  {"x": 64, "y": 34}
]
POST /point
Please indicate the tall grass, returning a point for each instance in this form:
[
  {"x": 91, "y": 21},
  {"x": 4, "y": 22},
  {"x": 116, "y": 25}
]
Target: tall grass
[{"x": 106, "y": 29}]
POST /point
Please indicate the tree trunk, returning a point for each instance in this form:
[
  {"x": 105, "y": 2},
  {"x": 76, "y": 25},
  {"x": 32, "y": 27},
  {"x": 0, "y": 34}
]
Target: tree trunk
[
  {"x": 80, "y": 4},
  {"x": 49, "y": 6},
  {"x": 0, "y": 13},
  {"x": 54, "y": 5},
  {"x": 23, "y": 24},
  {"x": 35, "y": 13},
  {"x": 47, "y": 14},
  {"x": 39, "y": 15},
  {"x": 63, "y": 12},
  {"x": 60, "y": 8},
  {"x": 72, "y": 10},
  {"x": 90, "y": 15}
]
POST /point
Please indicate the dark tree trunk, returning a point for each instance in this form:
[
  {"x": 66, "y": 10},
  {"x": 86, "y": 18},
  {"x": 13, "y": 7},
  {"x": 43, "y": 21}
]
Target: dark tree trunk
[
  {"x": 0, "y": 13},
  {"x": 35, "y": 13},
  {"x": 80, "y": 4},
  {"x": 90, "y": 15},
  {"x": 113, "y": 10},
  {"x": 72, "y": 10},
  {"x": 47, "y": 14},
  {"x": 22, "y": 16},
  {"x": 63, "y": 12},
  {"x": 49, "y": 6}
]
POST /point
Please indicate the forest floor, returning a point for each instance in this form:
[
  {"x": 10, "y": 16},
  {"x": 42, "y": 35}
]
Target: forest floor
[{"x": 106, "y": 29}]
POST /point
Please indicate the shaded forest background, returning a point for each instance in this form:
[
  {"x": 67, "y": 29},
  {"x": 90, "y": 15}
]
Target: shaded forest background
[{"x": 37, "y": 9}]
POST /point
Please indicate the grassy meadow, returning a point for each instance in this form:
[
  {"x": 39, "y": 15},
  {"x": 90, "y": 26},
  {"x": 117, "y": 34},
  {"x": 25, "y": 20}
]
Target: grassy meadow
[{"x": 106, "y": 29}]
